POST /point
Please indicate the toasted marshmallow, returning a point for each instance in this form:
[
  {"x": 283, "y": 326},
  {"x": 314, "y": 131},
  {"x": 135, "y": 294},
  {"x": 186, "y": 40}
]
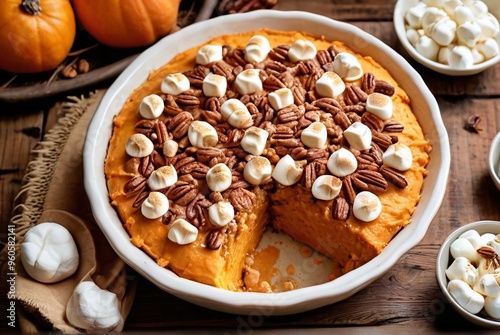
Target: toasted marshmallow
[
  {"x": 443, "y": 32},
  {"x": 93, "y": 309},
  {"x": 366, "y": 206},
  {"x": 151, "y": 106},
  {"x": 257, "y": 49},
  {"x": 431, "y": 16},
  {"x": 460, "y": 57},
  {"x": 182, "y": 232},
  {"x": 380, "y": 105},
  {"x": 463, "y": 14},
  {"x": 258, "y": 170},
  {"x": 170, "y": 148},
  {"x": 248, "y": 82},
  {"x": 489, "y": 285},
  {"x": 302, "y": 50},
  {"x": 175, "y": 84},
  {"x": 49, "y": 253},
  {"x": 463, "y": 270},
  {"x": 398, "y": 156},
  {"x": 489, "y": 26},
  {"x": 326, "y": 187},
  {"x": 465, "y": 296},
  {"x": 162, "y": 177},
  {"x": 155, "y": 205},
  {"x": 288, "y": 171},
  {"x": 209, "y": 53},
  {"x": 342, "y": 163},
  {"x": 201, "y": 134},
  {"x": 427, "y": 47},
  {"x": 473, "y": 237},
  {"x": 281, "y": 98},
  {"x": 254, "y": 140},
  {"x": 359, "y": 136},
  {"x": 462, "y": 247},
  {"x": 139, "y": 145},
  {"x": 219, "y": 178},
  {"x": 489, "y": 48},
  {"x": 214, "y": 85},
  {"x": 315, "y": 135},
  {"x": 469, "y": 33},
  {"x": 236, "y": 114},
  {"x": 414, "y": 15},
  {"x": 492, "y": 307},
  {"x": 221, "y": 213},
  {"x": 330, "y": 85},
  {"x": 347, "y": 66}
]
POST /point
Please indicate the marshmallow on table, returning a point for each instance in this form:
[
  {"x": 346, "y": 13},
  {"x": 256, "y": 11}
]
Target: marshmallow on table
[
  {"x": 359, "y": 136},
  {"x": 175, "y": 84},
  {"x": 330, "y": 85},
  {"x": 281, "y": 98},
  {"x": 248, "y": 82},
  {"x": 219, "y": 177},
  {"x": 462, "y": 269},
  {"x": 257, "y": 49},
  {"x": 208, "y": 54},
  {"x": 398, "y": 156},
  {"x": 162, "y": 177},
  {"x": 366, "y": 206},
  {"x": 288, "y": 171},
  {"x": 460, "y": 57},
  {"x": 214, "y": 85},
  {"x": 49, "y": 253},
  {"x": 92, "y": 308},
  {"x": 139, "y": 145},
  {"x": 221, "y": 213},
  {"x": 254, "y": 140},
  {"x": 202, "y": 134},
  {"x": 301, "y": 50},
  {"x": 492, "y": 307},
  {"x": 236, "y": 114},
  {"x": 347, "y": 66},
  {"x": 326, "y": 187},
  {"x": 151, "y": 106},
  {"x": 182, "y": 232},
  {"x": 465, "y": 296},
  {"x": 155, "y": 205},
  {"x": 380, "y": 105},
  {"x": 462, "y": 247},
  {"x": 258, "y": 170},
  {"x": 342, "y": 163},
  {"x": 315, "y": 135}
]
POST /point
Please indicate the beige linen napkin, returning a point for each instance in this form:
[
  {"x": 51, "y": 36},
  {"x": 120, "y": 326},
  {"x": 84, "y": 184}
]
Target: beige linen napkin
[{"x": 53, "y": 191}]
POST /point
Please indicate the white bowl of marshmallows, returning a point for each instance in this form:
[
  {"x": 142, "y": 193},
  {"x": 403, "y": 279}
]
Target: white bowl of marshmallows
[
  {"x": 452, "y": 37},
  {"x": 468, "y": 272}
]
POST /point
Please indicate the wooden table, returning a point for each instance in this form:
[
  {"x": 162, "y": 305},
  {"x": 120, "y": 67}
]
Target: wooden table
[{"x": 407, "y": 297}]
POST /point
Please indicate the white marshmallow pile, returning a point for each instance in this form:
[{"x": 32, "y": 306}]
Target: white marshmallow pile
[
  {"x": 475, "y": 280},
  {"x": 49, "y": 253},
  {"x": 458, "y": 33}
]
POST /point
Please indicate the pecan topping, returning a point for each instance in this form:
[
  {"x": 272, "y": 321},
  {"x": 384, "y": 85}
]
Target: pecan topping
[
  {"x": 340, "y": 209},
  {"x": 329, "y": 105},
  {"x": 139, "y": 199},
  {"x": 372, "y": 121},
  {"x": 179, "y": 124},
  {"x": 215, "y": 239},
  {"x": 171, "y": 106},
  {"x": 393, "y": 126},
  {"x": 368, "y": 82},
  {"x": 394, "y": 177},
  {"x": 145, "y": 127},
  {"x": 349, "y": 191},
  {"x": 342, "y": 120},
  {"x": 134, "y": 185},
  {"x": 487, "y": 252},
  {"x": 367, "y": 180},
  {"x": 381, "y": 139},
  {"x": 279, "y": 53},
  {"x": 146, "y": 166},
  {"x": 384, "y": 88},
  {"x": 241, "y": 199}
]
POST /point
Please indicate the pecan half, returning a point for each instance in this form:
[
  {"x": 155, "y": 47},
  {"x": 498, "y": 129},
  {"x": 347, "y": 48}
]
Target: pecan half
[
  {"x": 179, "y": 124},
  {"x": 340, "y": 209},
  {"x": 393, "y": 126},
  {"x": 367, "y": 180},
  {"x": 136, "y": 184},
  {"x": 384, "y": 87},
  {"x": 368, "y": 82},
  {"x": 241, "y": 199},
  {"x": 215, "y": 239},
  {"x": 349, "y": 192},
  {"x": 372, "y": 121},
  {"x": 279, "y": 53},
  {"x": 487, "y": 252},
  {"x": 394, "y": 177}
]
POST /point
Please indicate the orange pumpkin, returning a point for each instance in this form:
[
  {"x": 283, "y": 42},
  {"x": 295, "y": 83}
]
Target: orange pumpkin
[
  {"x": 36, "y": 35},
  {"x": 127, "y": 23}
]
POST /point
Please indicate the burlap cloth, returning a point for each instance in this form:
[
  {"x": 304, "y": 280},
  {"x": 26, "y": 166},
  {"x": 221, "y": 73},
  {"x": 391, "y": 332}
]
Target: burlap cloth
[{"x": 53, "y": 191}]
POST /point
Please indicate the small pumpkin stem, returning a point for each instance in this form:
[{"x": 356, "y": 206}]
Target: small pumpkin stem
[{"x": 31, "y": 6}]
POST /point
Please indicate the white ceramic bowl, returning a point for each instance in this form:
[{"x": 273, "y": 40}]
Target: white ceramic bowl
[
  {"x": 424, "y": 106},
  {"x": 400, "y": 10},
  {"x": 444, "y": 260},
  {"x": 494, "y": 160}
]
